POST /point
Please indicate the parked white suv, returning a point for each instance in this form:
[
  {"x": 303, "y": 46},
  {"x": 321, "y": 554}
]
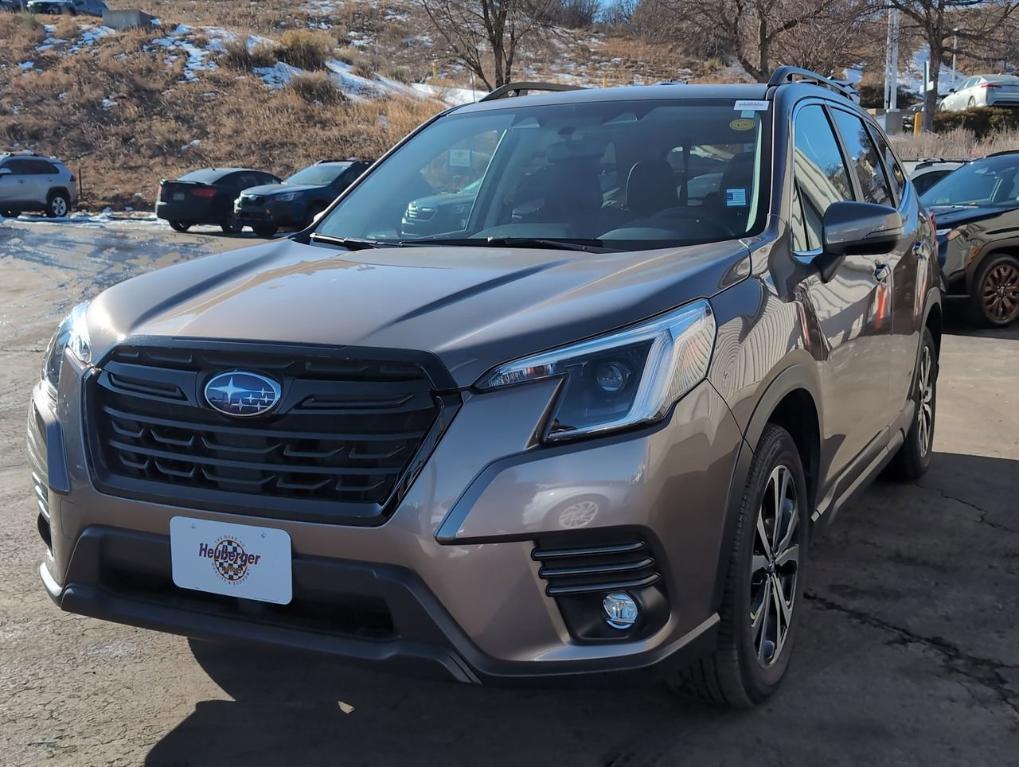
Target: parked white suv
[
  {"x": 983, "y": 91},
  {"x": 30, "y": 181}
]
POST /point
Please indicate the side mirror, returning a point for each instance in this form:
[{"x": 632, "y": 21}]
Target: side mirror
[
  {"x": 951, "y": 90},
  {"x": 856, "y": 227}
]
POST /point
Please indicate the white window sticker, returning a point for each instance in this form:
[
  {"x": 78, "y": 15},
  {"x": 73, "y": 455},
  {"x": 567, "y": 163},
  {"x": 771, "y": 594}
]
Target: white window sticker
[
  {"x": 459, "y": 158},
  {"x": 752, "y": 105},
  {"x": 736, "y": 198}
]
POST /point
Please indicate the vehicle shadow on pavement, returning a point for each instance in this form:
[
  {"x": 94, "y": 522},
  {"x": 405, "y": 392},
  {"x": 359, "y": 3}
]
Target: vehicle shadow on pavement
[{"x": 304, "y": 709}]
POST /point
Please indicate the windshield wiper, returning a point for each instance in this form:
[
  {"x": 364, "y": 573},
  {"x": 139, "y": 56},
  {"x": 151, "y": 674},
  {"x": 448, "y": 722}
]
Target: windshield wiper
[
  {"x": 586, "y": 245},
  {"x": 347, "y": 242}
]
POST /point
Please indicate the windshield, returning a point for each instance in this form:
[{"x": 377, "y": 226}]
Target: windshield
[
  {"x": 992, "y": 181},
  {"x": 317, "y": 175},
  {"x": 618, "y": 175}
]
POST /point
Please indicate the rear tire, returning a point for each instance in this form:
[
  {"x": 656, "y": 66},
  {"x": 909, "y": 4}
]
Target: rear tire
[
  {"x": 972, "y": 103},
  {"x": 914, "y": 457},
  {"x": 8, "y": 214},
  {"x": 179, "y": 226},
  {"x": 266, "y": 231},
  {"x": 764, "y": 584},
  {"x": 995, "y": 295},
  {"x": 57, "y": 205}
]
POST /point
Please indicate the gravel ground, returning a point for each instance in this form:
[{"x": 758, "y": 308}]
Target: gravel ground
[{"x": 908, "y": 652}]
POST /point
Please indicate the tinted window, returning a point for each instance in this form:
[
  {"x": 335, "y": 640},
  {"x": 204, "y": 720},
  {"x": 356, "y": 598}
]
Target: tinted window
[
  {"x": 991, "y": 181},
  {"x": 205, "y": 175},
  {"x": 628, "y": 174},
  {"x": 20, "y": 167},
  {"x": 318, "y": 175},
  {"x": 820, "y": 172},
  {"x": 891, "y": 162},
  {"x": 863, "y": 157}
]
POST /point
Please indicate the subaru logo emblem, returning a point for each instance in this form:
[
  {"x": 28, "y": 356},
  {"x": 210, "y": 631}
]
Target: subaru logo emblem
[{"x": 240, "y": 393}]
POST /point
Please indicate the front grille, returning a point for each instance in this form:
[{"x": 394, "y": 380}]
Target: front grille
[
  {"x": 250, "y": 201},
  {"x": 617, "y": 566},
  {"x": 344, "y": 439}
]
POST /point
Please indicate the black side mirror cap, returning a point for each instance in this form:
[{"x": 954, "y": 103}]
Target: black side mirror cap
[{"x": 860, "y": 227}]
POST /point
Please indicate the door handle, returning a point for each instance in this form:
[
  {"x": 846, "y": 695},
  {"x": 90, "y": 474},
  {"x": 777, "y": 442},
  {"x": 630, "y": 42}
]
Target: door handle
[{"x": 881, "y": 272}]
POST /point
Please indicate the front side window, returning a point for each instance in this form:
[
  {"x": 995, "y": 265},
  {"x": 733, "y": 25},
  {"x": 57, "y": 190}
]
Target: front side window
[
  {"x": 892, "y": 163},
  {"x": 819, "y": 170},
  {"x": 863, "y": 156},
  {"x": 614, "y": 175}
]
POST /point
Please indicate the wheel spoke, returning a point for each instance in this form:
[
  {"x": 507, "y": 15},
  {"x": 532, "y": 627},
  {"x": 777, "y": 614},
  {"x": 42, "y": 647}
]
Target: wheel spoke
[
  {"x": 760, "y": 623},
  {"x": 758, "y": 563},
  {"x": 762, "y": 535},
  {"x": 791, "y": 555}
]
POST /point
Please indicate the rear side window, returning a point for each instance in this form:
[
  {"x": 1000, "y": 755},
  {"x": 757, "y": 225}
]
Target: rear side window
[
  {"x": 863, "y": 156},
  {"x": 819, "y": 170}
]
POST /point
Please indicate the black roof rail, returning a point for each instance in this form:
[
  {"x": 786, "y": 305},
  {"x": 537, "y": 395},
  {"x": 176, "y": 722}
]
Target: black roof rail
[
  {"x": 793, "y": 74},
  {"x": 1003, "y": 152},
  {"x": 522, "y": 88}
]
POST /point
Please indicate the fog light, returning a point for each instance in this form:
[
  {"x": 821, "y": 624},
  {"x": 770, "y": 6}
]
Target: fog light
[{"x": 621, "y": 610}]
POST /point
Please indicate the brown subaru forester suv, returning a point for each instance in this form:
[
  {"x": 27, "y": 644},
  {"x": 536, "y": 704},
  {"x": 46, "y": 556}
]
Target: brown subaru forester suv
[{"x": 582, "y": 418}]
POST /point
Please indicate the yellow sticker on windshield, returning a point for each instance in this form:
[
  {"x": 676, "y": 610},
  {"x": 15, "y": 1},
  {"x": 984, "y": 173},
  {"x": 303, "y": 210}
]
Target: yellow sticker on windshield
[{"x": 742, "y": 123}]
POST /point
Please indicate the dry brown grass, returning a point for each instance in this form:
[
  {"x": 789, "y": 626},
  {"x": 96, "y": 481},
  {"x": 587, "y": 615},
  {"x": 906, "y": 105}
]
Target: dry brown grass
[
  {"x": 19, "y": 34},
  {"x": 305, "y": 49},
  {"x": 316, "y": 87},
  {"x": 123, "y": 150},
  {"x": 959, "y": 143},
  {"x": 238, "y": 55}
]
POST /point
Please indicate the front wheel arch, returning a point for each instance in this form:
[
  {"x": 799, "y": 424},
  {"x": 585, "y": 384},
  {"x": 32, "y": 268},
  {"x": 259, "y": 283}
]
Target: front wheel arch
[{"x": 794, "y": 383}]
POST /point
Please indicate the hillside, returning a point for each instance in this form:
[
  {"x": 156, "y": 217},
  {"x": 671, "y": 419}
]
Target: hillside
[{"x": 268, "y": 84}]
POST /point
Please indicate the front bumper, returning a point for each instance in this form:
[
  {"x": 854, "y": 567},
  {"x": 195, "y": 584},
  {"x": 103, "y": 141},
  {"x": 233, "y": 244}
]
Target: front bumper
[
  {"x": 271, "y": 214},
  {"x": 452, "y": 569}
]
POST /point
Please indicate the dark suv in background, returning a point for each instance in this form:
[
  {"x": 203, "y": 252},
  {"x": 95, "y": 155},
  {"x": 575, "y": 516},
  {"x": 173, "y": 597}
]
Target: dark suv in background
[
  {"x": 589, "y": 429},
  {"x": 295, "y": 201}
]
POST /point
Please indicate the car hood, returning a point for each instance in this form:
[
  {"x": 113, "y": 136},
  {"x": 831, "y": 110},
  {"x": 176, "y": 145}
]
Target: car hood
[
  {"x": 267, "y": 190},
  {"x": 472, "y": 307},
  {"x": 952, "y": 215}
]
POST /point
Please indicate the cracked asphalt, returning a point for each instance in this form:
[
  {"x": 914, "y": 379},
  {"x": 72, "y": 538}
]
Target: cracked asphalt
[{"x": 908, "y": 651}]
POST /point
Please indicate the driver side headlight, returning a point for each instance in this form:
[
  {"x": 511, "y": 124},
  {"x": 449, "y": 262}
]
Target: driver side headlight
[
  {"x": 72, "y": 334},
  {"x": 628, "y": 378}
]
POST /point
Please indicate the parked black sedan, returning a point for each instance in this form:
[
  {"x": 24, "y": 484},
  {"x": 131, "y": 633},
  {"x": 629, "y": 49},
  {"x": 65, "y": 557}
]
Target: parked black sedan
[
  {"x": 295, "y": 201},
  {"x": 977, "y": 213},
  {"x": 207, "y": 196}
]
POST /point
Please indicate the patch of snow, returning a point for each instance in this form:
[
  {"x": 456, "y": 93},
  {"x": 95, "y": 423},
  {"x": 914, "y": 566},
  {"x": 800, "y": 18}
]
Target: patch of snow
[
  {"x": 191, "y": 145},
  {"x": 277, "y": 75},
  {"x": 24, "y": 66},
  {"x": 108, "y": 104},
  {"x": 176, "y": 42},
  {"x": 90, "y": 35},
  {"x": 451, "y": 96}
]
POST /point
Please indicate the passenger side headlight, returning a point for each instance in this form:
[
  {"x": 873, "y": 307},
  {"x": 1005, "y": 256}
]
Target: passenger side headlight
[
  {"x": 72, "y": 334},
  {"x": 286, "y": 197},
  {"x": 631, "y": 377}
]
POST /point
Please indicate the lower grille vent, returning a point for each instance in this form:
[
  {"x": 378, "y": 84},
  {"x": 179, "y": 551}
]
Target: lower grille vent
[{"x": 628, "y": 564}]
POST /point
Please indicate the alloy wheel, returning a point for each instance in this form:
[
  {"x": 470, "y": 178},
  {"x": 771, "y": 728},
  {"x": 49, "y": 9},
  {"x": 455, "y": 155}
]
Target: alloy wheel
[
  {"x": 1000, "y": 294},
  {"x": 774, "y": 566},
  {"x": 925, "y": 409},
  {"x": 58, "y": 207}
]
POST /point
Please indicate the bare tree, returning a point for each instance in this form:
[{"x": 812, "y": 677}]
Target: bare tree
[
  {"x": 485, "y": 35},
  {"x": 976, "y": 24},
  {"x": 760, "y": 34}
]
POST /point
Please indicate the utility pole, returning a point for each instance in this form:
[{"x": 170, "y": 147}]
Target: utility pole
[
  {"x": 892, "y": 64},
  {"x": 955, "y": 47}
]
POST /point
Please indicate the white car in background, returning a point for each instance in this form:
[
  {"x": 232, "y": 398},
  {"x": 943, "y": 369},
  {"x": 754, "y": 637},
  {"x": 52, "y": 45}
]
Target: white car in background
[{"x": 982, "y": 91}]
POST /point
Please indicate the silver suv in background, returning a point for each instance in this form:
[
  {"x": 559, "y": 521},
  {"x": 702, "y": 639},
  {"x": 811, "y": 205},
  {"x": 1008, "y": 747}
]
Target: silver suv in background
[{"x": 35, "y": 182}]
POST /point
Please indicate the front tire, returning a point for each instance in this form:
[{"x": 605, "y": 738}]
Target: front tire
[
  {"x": 995, "y": 299},
  {"x": 266, "y": 231},
  {"x": 57, "y": 205},
  {"x": 231, "y": 225},
  {"x": 764, "y": 585},
  {"x": 914, "y": 457}
]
